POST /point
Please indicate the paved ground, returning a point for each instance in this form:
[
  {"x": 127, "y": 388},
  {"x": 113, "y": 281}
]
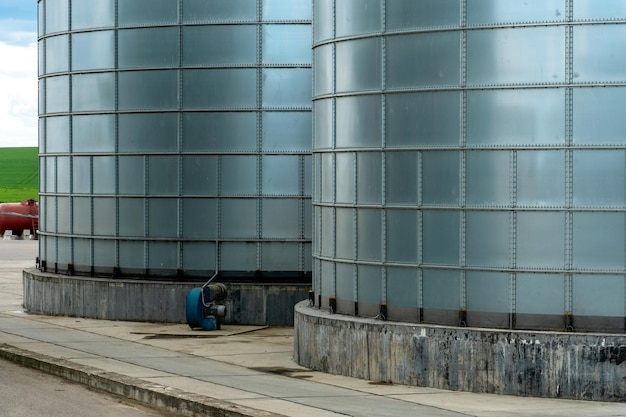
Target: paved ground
[
  {"x": 239, "y": 370},
  {"x": 51, "y": 396}
]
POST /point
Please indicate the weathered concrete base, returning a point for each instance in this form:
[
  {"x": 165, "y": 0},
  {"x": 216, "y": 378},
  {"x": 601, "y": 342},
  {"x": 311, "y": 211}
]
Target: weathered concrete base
[
  {"x": 155, "y": 301},
  {"x": 539, "y": 364}
]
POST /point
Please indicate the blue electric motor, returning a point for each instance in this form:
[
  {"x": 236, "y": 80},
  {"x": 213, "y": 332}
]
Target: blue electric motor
[{"x": 203, "y": 308}]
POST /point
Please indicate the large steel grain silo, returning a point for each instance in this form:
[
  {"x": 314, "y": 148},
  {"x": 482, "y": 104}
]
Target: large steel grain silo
[
  {"x": 175, "y": 142},
  {"x": 469, "y": 164}
]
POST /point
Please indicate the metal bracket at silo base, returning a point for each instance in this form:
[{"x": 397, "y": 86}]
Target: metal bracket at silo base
[
  {"x": 332, "y": 304},
  {"x": 382, "y": 312},
  {"x": 569, "y": 322},
  {"x": 462, "y": 317},
  {"x": 591, "y": 366}
]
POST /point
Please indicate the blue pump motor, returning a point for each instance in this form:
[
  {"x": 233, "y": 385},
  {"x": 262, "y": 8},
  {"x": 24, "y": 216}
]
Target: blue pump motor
[{"x": 202, "y": 308}]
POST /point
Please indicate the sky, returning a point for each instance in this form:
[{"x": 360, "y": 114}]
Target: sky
[{"x": 18, "y": 73}]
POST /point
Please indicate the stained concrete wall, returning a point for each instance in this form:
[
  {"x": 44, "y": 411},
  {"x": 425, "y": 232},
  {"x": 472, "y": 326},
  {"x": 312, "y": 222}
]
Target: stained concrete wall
[
  {"x": 156, "y": 301},
  {"x": 541, "y": 364}
]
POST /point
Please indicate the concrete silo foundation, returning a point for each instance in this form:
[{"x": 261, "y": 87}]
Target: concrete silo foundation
[
  {"x": 155, "y": 301},
  {"x": 589, "y": 366}
]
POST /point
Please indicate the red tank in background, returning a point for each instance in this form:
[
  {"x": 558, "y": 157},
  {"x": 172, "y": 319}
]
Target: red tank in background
[{"x": 19, "y": 217}]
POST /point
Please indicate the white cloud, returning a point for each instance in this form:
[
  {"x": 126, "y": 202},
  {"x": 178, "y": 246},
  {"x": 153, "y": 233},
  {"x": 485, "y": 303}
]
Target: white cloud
[
  {"x": 16, "y": 30},
  {"x": 18, "y": 90}
]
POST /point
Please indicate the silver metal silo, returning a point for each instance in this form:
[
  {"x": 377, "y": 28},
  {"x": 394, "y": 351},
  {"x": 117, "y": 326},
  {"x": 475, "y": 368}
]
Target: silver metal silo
[
  {"x": 175, "y": 138},
  {"x": 469, "y": 162}
]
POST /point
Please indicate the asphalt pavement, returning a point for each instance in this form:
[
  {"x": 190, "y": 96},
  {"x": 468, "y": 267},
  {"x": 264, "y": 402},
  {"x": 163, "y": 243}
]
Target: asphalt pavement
[{"x": 235, "y": 371}]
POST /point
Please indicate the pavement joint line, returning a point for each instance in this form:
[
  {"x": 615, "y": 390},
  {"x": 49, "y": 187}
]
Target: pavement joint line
[
  {"x": 245, "y": 354},
  {"x": 156, "y": 395}
]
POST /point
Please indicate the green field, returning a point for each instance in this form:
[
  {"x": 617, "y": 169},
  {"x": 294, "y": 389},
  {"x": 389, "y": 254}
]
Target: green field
[{"x": 19, "y": 174}]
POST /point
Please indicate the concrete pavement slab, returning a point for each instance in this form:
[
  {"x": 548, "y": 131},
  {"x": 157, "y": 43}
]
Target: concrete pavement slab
[
  {"x": 104, "y": 327},
  {"x": 12, "y": 291},
  {"x": 205, "y": 388},
  {"x": 340, "y": 400},
  {"x": 56, "y": 335},
  {"x": 280, "y": 362},
  {"x": 215, "y": 348},
  {"x": 189, "y": 366},
  {"x": 539, "y": 412},
  {"x": 10, "y": 303},
  {"x": 49, "y": 349},
  {"x": 120, "y": 367},
  {"x": 287, "y": 408},
  {"x": 275, "y": 386},
  {"x": 371, "y": 406},
  {"x": 487, "y": 405},
  {"x": 14, "y": 339},
  {"x": 120, "y": 349},
  {"x": 370, "y": 387},
  {"x": 14, "y": 323},
  {"x": 175, "y": 330},
  {"x": 20, "y": 250}
]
